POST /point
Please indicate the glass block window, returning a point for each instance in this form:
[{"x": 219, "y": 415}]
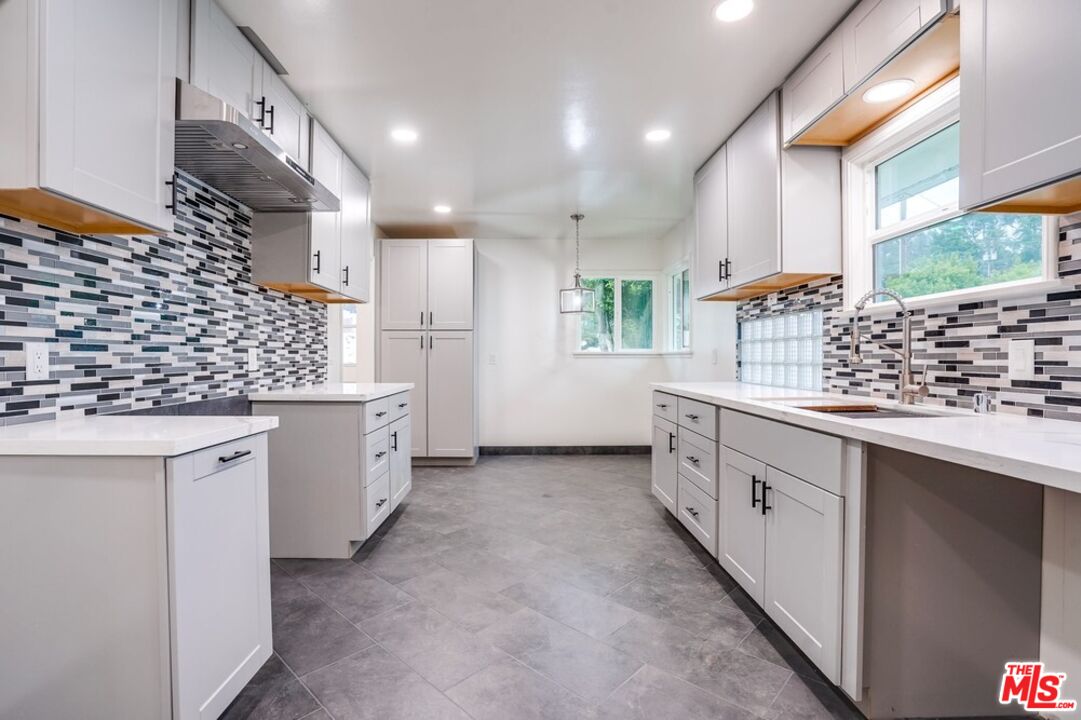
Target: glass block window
[{"x": 782, "y": 350}]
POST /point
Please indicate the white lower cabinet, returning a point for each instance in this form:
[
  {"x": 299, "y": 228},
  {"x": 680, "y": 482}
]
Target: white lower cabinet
[
  {"x": 741, "y": 535},
  {"x": 803, "y": 563},
  {"x": 401, "y": 460},
  {"x": 376, "y": 503},
  {"x": 698, "y": 513},
  {"x": 665, "y": 464}
]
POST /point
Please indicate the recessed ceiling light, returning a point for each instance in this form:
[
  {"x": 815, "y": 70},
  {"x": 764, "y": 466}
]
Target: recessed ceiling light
[
  {"x": 442, "y": 209},
  {"x": 733, "y": 10},
  {"x": 404, "y": 135},
  {"x": 658, "y": 135},
  {"x": 889, "y": 90}
]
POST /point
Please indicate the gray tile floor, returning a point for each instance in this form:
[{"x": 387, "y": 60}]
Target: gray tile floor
[{"x": 528, "y": 587}]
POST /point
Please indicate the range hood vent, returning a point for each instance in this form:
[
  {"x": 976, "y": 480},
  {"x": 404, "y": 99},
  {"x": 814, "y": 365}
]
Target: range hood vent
[{"x": 216, "y": 143}]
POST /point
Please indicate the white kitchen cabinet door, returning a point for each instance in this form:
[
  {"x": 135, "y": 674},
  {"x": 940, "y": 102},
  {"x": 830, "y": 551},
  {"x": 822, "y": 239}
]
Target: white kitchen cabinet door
[
  {"x": 284, "y": 118},
  {"x": 450, "y": 284},
  {"x": 711, "y": 225},
  {"x": 401, "y": 463},
  {"x": 451, "y": 415},
  {"x": 403, "y": 283},
  {"x": 219, "y": 552},
  {"x": 665, "y": 465},
  {"x": 326, "y": 237},
  {"x": 356, "y": 233},
  {"x": 107, "y": 98},
  {"x": 223, "y": 62},
  {"x": 754, "y": 195},
  {"x": 814, "y": 87},
  {"x": 1019, "y": 105},
  {"x": 876, "y": 29},
  {"x": 804, "y": 533},
  {"x": 403, "y": 357},
  {"x": 741, "y": 535}
]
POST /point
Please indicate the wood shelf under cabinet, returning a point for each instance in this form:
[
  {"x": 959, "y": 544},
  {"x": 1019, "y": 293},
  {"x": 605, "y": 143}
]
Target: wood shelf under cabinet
[{"x": 59, "y": 212}]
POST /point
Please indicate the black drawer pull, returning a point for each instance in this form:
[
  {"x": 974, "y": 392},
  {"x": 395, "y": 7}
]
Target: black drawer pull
[
  {"x": 692, "y": 511},
  {"x": 381, "y": 503},
  {"x": 235, "y": 456},
  {"x": 693, "y": 459},
  {"x": 663, "y": 406},
  {"x": 381, "y": 413},
  {"x": 693, "y": 418},
  {"x": 402, "y": 405},
  {"x": 380, "y": 454}
]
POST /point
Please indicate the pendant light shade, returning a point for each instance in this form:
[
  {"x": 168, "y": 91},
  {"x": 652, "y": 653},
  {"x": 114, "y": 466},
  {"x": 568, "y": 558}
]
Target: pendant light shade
[{"x": 577, "y": 299}]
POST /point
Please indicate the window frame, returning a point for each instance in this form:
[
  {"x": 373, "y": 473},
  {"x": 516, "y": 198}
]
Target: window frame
[
  {"x": 618, "y": 276},
  {"x": 345, "y": 326},
  {"x": 932, "y": 114},
  {"x": 680, "y": 268}
]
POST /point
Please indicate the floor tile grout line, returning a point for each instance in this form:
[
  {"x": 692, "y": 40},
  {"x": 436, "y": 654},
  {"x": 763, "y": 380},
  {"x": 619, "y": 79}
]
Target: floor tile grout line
[{"x": 307, "y": 689}]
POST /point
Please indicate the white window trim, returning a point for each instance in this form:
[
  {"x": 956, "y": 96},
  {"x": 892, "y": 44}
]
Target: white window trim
[
  {"x": 341, "y": 331},
  {"x": 934, "y": 113},
  {"x": 669, "y": 330},
  {"x": 617, "y": 321}
]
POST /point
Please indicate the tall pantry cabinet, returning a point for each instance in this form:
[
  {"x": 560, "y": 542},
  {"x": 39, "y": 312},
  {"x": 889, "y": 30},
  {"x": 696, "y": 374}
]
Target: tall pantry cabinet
[{"x": 426, "y": 323}]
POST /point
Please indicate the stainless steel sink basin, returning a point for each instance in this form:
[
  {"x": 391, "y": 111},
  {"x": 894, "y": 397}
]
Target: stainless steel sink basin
[{"x": 872, "y": 412}]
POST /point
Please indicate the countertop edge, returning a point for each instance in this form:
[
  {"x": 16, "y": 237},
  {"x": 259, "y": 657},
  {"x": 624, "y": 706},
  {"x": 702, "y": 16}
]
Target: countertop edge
[
  {"x": 299, "y": 395},
  {"x": 1041, "y": 474}
]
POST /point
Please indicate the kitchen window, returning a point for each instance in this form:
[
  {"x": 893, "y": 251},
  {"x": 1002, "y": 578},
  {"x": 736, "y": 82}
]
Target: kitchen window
[
  {"x": 904, "y": 230},
  {"x": 679, "y": 304},
  {"x": 623, "y": 319},
  {"x": 349, "y": 335}
]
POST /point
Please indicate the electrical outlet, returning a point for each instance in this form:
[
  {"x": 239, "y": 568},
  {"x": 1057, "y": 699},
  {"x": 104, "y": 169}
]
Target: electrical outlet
[
  {"x": 1022, "y": 359},
  {"x": 491, "y": 359},
  {"x": 253, "y": 359},
  {"x": 37, "y": 361}
]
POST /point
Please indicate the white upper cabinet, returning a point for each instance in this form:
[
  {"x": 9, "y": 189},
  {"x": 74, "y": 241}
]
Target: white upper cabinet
[
  {"x": 327, "y": 159},
  {"x": 403, "y": 282},
  {"x": 87, "y": 127},
  {"x": 326, "y": 241},
  {"x": 1020, "y": 109},
  {"x": 284, "y": 118},
  {"x": 814, "y": 87},
  {"x": 876, "y": 29},
  {"x": 356, "y": 233},
  {"x": 711, "y": 225},
  {"x": 450, "y": 284},
  {"x": 223, "y": 62},
  {"x": 754, "y": 195}
]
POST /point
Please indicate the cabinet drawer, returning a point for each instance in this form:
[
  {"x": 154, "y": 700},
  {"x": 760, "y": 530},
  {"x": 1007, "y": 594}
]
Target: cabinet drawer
[
  {"x": 698, "y": 512},
  {"x": 698, "y": 416},
  {"x": 399, "y": 406},
  {"x": 664, "y": 405},
  {"x": 812, "y": 456},
  {"x": 376, "y": 414},
  {"x": 220, "y": 457},
  {"x": 376, "y": 503},
  {"x": 698, "y": 460},
  {"x": 376, "y": 454}
]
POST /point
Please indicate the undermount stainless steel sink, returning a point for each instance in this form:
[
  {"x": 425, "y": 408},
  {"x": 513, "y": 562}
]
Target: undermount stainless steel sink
[{"x": 871, "y": 412}]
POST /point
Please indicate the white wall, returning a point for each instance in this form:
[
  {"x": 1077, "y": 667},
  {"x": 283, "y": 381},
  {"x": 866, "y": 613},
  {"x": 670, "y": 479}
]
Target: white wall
[{"x": 532, "y": 390}]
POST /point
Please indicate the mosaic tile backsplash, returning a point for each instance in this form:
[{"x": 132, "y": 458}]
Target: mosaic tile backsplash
[
  {"x": 140, "y": 322},
  {"x": 963, "y": 346}
]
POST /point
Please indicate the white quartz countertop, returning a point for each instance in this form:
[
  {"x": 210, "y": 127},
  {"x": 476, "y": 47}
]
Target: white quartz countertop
[
  {"x": 128, "y": 435},
  {"x": 1036, "y": 449},
  {"x": 333, "y": 392}
]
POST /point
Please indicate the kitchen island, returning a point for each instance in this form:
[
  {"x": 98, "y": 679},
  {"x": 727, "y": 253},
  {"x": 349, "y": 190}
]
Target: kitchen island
[
  {"x": 136, "y": 566},
  {"x": 865, "y": 536}
]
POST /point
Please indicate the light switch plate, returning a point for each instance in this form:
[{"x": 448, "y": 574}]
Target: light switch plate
[
  {"x": 253, "y": 359},
  {"x": 1022, "y": 362},
  {"x": 37, "y": 360}
]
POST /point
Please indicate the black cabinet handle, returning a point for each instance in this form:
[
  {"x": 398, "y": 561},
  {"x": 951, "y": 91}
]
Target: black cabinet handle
[
  {"x": 430, "y": 341},
  {"x": 663, "y": 406},
  {"x": 402, "y": 405},
  {"x": 172, "y": 194},
  {"x": 691, "y": 417},
  {"x": 422, "y": 318},
  {"x": 318, "y": 261},
  {"x": 671, "y": 443},
  {"x": 381, "y": 413},
  {"x": 270, "y": 112},
  {"x": 346, "y": 271},
  {"x": 394, "y": 440},
  {"x": 380, "y": 454},
  {"x": 754, "y": 491},
  {"x": 235, "y": 456},
  {"x": 727, "y": 269},
  {"x": 765, "y": 488},
  {"x": 431, "y": 317},
  {"x": 381, "y": 503},
  {"x": 692, "y": 459},
  {"x": 261, "y": 102},
  {"x": 692, "y": 511},
  {"x": 720, "y": 271}
]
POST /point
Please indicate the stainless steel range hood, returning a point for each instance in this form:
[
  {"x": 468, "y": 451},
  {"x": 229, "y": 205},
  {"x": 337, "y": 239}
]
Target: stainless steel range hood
[{"x": 216, "y": 143}]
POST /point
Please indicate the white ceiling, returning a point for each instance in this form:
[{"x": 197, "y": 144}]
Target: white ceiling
[{"x": 529, "y": 110}]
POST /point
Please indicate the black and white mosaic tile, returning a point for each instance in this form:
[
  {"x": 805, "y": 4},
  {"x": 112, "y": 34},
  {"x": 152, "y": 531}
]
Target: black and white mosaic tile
[
  {"x": 140, "y": 322},
  {"x": 963, "y": 346}
]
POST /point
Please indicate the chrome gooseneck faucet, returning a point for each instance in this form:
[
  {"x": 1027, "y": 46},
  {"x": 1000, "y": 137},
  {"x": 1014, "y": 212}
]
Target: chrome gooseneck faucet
[{"x": 910, "y": 391}]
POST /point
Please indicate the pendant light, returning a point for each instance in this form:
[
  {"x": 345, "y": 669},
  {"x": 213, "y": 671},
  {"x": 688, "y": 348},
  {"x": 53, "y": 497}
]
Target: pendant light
[{"x": 577, "y": 299}]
